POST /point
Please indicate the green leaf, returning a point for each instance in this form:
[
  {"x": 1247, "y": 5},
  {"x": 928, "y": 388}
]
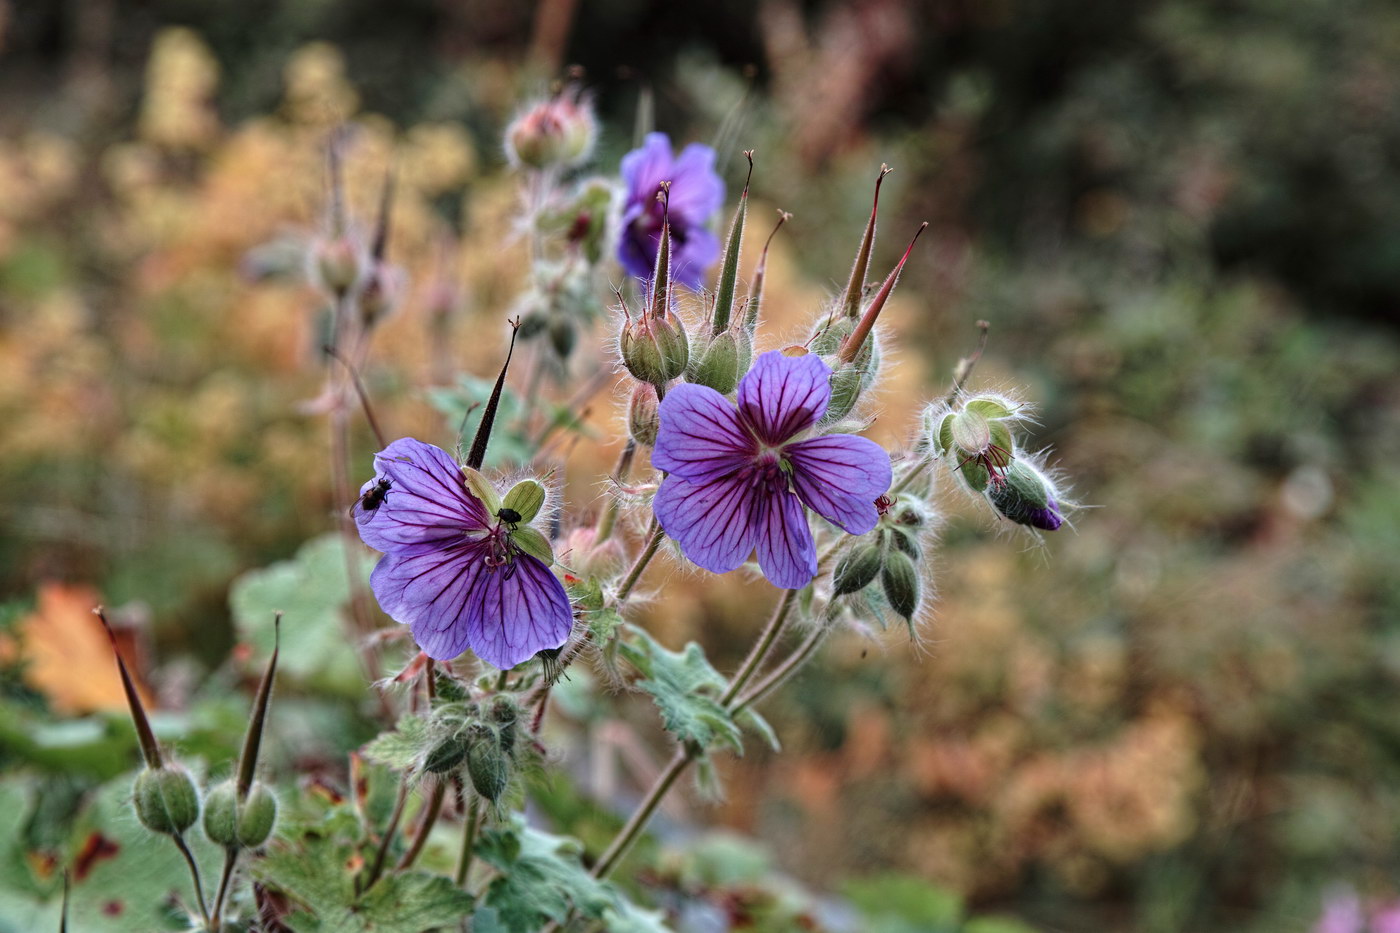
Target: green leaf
[
  {"x": 314, "y": 873},
  {"x": 312, "y": 591},
  {"x": 686, "y": 690},
  {"x": 627, "y": 917},
  {"x": 904, "y": 904},
  {"x": 405, "y": 747},
  {"x": 541, "y": 879}
]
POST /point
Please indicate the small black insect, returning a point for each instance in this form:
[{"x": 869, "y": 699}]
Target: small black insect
[
  {"x": 509, "y": 516},
  {"x": 374, "y": 496}
]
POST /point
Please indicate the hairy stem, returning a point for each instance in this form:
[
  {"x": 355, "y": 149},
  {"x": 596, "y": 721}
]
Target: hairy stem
[
  {"x": 230, "y": 860},
  {"x": 637, "y": 822},
  {"x": 654, "y": 537},
  {"x": 382, "y": 853},
  {"x": 425, "y": 827},
  {"x": 760, "y": 649},
  {"x": 464, "y": 863},
  {"x": 194, "y": 873}
]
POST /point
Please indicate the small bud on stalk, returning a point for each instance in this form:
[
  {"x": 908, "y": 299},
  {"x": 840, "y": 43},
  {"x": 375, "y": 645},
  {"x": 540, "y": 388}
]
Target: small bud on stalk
[
  {"x": 166, "y": 799},
  {"x": 643, "y": 414},
  {"x": 1027, "y": 498},
  {"x": 487, "y": 765},
  {"x": 553, "y": 133}
]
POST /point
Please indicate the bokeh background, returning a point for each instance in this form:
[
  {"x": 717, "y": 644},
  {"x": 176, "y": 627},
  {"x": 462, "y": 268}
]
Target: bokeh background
[{"x": 1181, "y": 217}]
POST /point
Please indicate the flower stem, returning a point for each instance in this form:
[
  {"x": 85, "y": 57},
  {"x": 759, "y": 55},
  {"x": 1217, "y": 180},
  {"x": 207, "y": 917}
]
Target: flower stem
[
  {"x": 637, "y": 822},
  {"x": 420, "y": 838},
  {"x": 230, "y": 860},
  {"x": 194, "y": 873},
  {"x": 608, "y": 519},
  {"x": 464, "y": 863},
  {"x": 644, "y": 558},
  {"x": 775, "y": 678},
  {"x": 761, "y": 647},
  {"x": 382, "y": 853}
]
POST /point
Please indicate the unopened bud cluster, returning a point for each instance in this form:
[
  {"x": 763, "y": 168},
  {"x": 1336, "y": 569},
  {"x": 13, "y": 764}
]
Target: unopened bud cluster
[
  {"x": 483, "y": 738},
  {"x": 893, "y": 553},
  {"x": 553, "y": 133},
  {"x": 976, "y": 440}
]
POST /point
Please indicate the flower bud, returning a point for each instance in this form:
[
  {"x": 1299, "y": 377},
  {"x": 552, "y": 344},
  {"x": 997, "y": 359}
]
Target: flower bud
[
  {"x": 221, "y": 815},
  {"x": 383, "y": 291},
  {"x": 655, "y": 349},
  {"x": 977, "y": 439},
  {"x": 718, "y": 366},
  {"x": 166, "y": 799},
  {"x": 506, "y": 715},
  {"x": 556, "y": 132},
  {"x": 900, "y": 580},
  {"x": 487, "y": 765},
  {"x": 257, "y": 814},
  {"x": 1027, "y": 498},
  {"x": 588, "y": 558},
  {"x": 336, "y": 264},
  {"x": 643, "y": 414},
  {"x": 562, "y": 335},
  {"x": 447, "y": 756},
  {"x": 857, "y": 568}
]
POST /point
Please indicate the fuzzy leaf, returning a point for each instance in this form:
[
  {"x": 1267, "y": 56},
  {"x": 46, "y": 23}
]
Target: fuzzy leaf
[
  {"x": 404, "y": 747},
  {"x": 541, "y": 879},
  {"x": 686, "y": 690},
  {"x": 311, "y": 590}
]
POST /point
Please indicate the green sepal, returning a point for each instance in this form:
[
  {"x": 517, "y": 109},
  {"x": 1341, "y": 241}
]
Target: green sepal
[
  {"x": 525, "y": 498},
  {"x": 533, "y": 542},
  {"x": 480, "y": 487}
]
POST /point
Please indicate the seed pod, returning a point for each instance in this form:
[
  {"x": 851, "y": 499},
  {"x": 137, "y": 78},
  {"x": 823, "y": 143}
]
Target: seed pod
[
  {"x": 525, "y": 499},
  {"x": 257, "y": 814},
  {"x": 336, "y": 264},
  {"x": 674, "y": 344},
  {"x": 166, "y": 799},
  {"x": 487, "y": 766},
  {"x": 900, "y": 580},
  {"x": 857, "y": 568},
  {"x": 718, "y": 366},
  {"x": 221, "y": 815}
]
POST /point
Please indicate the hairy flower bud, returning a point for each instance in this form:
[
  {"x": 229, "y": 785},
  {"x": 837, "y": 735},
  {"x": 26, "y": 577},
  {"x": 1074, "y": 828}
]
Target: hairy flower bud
[
  {"x": 589, "y": 558},
  {"x": 505, "y": 714},
  {"x": 231, "y": 823},
  {"x": 718, "y": 366},
  {"x": 447, "y": 756},
  {"x": 166, "y": 799},
  {"x": 900, "y": 580},
  {"x": 257, "y": 815},
  {"x": 487, "y": 766},
  {"x": 562, "y": 335},
  {"x": 221, "y": 815},
  {"x": 555, "y": 132},
  {"x": 1027, "y": 498},
  {"x": 643, "y": 414},
  {"x": 858, "y": 568},
  {"x": 655, "y": 349}
]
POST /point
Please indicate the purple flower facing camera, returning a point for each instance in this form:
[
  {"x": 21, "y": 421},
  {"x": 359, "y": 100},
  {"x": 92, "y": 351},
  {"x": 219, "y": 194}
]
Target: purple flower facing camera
[
  {"x": 456, "y": 574},
  {"x": 739, "y": 479}
]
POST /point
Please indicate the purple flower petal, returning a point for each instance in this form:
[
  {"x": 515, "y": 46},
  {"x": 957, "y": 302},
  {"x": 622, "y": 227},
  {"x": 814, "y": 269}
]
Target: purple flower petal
[
  {"x": 427, "y": 502},
  {"x": 839, "y": 476},
  {"x": 711, "y": 519},
  {"x": 700, "y": 435},
  {"x": 644, "y": 169},
  {"x": 786, "y": 551},
  {"x": 693, "y": 257},
  {"x": 782, "y": 395},
  {"x": 431, "y": 592},
  {"x": 696, "y": 190},
  {"x": 517, "y": 611}
]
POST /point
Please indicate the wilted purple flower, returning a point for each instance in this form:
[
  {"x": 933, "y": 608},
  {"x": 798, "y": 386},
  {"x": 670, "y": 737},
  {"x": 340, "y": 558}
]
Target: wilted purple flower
[
  {"x": 738, "y": 479},
  {"x": 696, "y": 193},
  {"x": 452, "y": 571}
]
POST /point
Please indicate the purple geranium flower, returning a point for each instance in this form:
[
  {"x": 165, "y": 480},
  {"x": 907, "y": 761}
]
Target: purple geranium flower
[
  {"x": 696, "y": 193},
  {"x": 738, "y": 479},
  {"x": 451, "y": 570}
]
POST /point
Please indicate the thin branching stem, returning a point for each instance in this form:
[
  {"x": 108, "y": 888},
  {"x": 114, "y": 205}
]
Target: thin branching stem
[
  {"x": 230, "y": 861},
  {"x": 425, "y": 827},
  {"x": 194, "y": 874},
  {"x": 654, "y": 536}
]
